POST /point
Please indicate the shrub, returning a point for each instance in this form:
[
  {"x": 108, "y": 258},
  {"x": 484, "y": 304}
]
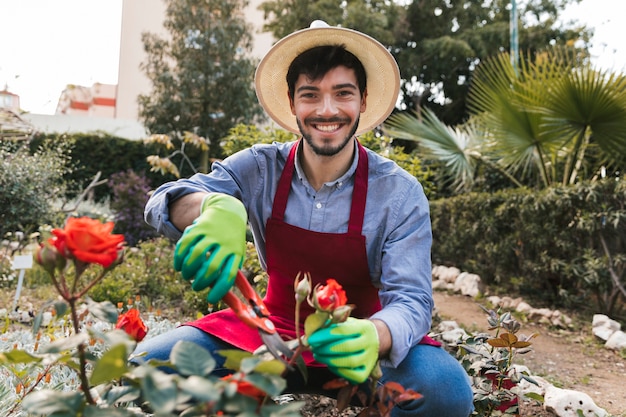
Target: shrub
[
  {"x": 562, "y": 246},
  {"x": 130, "y": 194},
  {"x": 28, "y": 185},
  {"x": 148, "y": 272}
]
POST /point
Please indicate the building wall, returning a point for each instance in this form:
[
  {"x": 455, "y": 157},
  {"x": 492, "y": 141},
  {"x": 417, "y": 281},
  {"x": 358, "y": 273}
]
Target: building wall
[
  {"x": 140, "y": 16},
  {"x": 97, "y": 100}
]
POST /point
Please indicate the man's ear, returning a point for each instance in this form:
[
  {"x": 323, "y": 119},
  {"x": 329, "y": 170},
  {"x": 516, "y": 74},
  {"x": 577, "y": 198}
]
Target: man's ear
[
  {"x": 291, "y": 106},
  {"x": 364, "y": 101}
]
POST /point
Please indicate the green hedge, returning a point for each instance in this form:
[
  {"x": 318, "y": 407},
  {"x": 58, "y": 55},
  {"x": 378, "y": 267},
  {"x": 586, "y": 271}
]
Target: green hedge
[
  {"x": 93, "y": 153},
  {"x": 547, "y": 245}
]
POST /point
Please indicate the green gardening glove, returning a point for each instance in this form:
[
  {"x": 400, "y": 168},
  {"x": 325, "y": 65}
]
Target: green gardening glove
[
  {"x": 349, "y": 349},
  {"x": 212, "y": 248}
]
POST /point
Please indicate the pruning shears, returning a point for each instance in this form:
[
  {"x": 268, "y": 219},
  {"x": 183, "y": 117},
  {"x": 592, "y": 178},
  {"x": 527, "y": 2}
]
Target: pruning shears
[{"x": 255, "y": 314}]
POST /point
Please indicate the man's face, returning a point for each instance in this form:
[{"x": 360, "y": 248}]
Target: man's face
[{"x": 327, "y": 110}]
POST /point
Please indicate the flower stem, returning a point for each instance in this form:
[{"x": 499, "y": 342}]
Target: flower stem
[{"x": 84, "y": 382}]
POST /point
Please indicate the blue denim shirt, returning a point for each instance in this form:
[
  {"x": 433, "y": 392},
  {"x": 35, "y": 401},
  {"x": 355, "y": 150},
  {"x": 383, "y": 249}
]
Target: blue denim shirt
[{"x": 396, "y": 226}]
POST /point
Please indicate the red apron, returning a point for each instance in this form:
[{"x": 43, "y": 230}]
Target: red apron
[{"x": 292, "y": 250}]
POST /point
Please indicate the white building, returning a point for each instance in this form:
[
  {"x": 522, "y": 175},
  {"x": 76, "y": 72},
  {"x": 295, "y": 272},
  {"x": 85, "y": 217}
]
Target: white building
[
  {"x": 140, "y": 16},
  {"x": 114, "y": 109}
]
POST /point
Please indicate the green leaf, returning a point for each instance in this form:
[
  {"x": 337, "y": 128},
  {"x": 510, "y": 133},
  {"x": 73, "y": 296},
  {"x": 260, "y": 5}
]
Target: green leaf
[
  {"x": 67, "y": 343},
  {"x": 122, "y": 394},
  {"x": 94, "y": 411},
  {"x": 60, "y": 307},
  {"x": 104, "y": 310},
  {"x": 192, "y": 359},
  {"x": 18, "y": 356},
  {"x": 159, "y": 390},
  {"x": 315, "y": 321},
  {"x": 273, "y": 385},
  {"x": 534, "y": 396},
  {"x": 274, "y": 367},
  {"x": 291, "y": 409},
  {"x": 249, "y": 364},
  {"x": 47, "y": 402},
  {"x": 201, "y": 389},
  {"x": 234, "y": 357},
  {"x": 111, "y": 366}
]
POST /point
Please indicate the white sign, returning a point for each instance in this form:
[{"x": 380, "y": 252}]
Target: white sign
[{"x": 22, "y": 262}]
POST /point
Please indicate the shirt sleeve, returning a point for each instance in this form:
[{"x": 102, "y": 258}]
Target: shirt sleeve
[
  {"x": 406, "y": 275},
  {"x": 234, "y": 176}
]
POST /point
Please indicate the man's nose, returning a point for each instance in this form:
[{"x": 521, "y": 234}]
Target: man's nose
[{"x": 328, "y": 106}]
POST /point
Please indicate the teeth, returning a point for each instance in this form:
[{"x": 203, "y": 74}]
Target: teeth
[{"x": 327, "y": 128}]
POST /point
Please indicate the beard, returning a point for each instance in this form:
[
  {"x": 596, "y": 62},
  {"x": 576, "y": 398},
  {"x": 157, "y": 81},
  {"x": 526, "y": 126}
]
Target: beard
[{"x": 327, "y": 150}]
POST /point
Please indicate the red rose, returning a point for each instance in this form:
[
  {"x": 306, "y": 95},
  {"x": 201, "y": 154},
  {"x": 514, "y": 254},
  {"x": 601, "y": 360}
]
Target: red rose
[
  {"x": 330, "y": 296},
  {"x": 88, "y": 240},
  {"x": 132, "y": 324}
]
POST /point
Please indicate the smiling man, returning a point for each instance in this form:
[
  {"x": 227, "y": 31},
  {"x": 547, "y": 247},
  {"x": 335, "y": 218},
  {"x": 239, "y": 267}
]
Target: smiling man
[{"x": 322, "y": 205}]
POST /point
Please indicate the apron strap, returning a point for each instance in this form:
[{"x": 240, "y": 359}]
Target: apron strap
[
  {"x": 359, "y": 194},
  {"x": 284, "y": 185}
]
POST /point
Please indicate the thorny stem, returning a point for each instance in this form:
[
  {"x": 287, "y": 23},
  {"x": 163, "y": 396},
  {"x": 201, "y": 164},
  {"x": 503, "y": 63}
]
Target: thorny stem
[
  {"x": 84, "y": 382},
  {"x": 32, "y": 387}
]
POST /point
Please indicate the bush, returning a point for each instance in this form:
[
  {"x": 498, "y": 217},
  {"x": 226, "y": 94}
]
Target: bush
[
  {"x": 148, "y": 272},
  {"x": 130, "y": 195},
  {"x": 564, "y": 245},
  {"x": 28, "y": 185},
  {"x": 93, "y": 153}
]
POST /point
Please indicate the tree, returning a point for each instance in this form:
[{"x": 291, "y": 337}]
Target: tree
[
  {"x": 201, "y": 76},
  {"x": 437, "y": 44},
  {"x": 555, "y": 120}
]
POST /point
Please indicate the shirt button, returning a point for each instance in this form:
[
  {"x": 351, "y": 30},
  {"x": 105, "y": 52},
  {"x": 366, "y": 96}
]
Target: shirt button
[{"x": 318, "y": 205}]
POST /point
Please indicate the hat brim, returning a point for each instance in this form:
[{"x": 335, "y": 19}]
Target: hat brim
[{"x": 383, "y": 76}]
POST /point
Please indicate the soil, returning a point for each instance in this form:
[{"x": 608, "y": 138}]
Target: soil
[{"x": 567, "y": 359}]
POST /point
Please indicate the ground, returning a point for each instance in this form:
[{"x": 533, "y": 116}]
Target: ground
[{"x": 568, "y": 359}]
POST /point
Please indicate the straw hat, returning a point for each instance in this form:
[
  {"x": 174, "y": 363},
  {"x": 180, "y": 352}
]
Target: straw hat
[{"x": 383, "y": 76}]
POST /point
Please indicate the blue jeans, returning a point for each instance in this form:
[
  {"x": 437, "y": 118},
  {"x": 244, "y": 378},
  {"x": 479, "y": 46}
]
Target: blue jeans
[{"x": 429, "y": 370}]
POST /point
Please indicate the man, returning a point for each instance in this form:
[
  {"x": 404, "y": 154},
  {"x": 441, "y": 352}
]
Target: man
[{"x": 323, "y": 205}]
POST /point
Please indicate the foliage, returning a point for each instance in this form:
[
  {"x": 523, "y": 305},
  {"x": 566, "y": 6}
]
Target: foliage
[
  {"x": 545, "y": 123},
  {"x": 147, "y": 272},
  {"x": 409, "y": 161},
  {"x": 563, "y": 246},
  {"x": 104, "y": 154},
  {"x": 201, "y": 76},
  {"x": 28, "y": 185},
  {"x": 244, "y": 136},
  {"x": 130, "y": 195},
  {"x": 437, "y": 45},
  {"x": 489, "y": 361}
]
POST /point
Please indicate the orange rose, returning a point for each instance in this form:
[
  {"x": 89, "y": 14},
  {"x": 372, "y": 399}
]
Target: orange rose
[
  {"x": 246, "y": 388},
  {"x": 330, "y": 296},
  {"x": 132, "y": 324},
  {"x": 88, "y": 240}
]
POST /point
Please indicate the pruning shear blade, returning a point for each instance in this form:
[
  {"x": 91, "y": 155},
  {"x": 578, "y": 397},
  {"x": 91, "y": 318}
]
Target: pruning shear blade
[{"x": 256, "y": 315}]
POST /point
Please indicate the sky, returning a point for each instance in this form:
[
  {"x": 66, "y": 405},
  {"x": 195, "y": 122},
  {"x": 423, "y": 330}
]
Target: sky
[{"x": 48, "y": 44}]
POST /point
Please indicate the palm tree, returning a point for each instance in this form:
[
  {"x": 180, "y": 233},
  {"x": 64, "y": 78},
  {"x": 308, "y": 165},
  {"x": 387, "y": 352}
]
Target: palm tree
[{"x": 548, "y": 121}]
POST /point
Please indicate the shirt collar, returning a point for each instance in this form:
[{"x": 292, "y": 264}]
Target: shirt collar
[{"x": 339, "y": 182}]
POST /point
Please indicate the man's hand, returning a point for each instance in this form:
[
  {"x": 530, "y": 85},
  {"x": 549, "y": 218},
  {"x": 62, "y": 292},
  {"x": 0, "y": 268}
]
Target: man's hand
[
  {"x": 349, "y": 349},
  {"x": 212, "y": 248}
]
